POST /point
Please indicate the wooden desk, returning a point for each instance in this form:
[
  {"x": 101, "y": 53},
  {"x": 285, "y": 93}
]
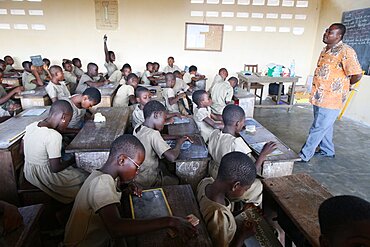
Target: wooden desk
[
  {"x": 275, "y": 165},
  {"x": 182, "y": 129},
  {"x": 91, "y": 145},
  {"x": 246, "y": 101},
  {"x": 29, "y": 234},
  {"x": 11, "y": 159},
  {"x": 182, "y": 203},
  {"x": 192, "y": 163},
  {"x": 107, "y": 94},
  {"x": 297, "y": 199},
  {"x": 248, "y": 79},
  {"x": 39, "y": 98}
]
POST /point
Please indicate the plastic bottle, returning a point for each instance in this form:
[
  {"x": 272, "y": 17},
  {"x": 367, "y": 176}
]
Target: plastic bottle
[{"x": 292, "y": 68}]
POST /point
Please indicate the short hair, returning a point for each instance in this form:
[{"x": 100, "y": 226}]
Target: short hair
[
  {"x": 2, "y": 61},
  {"x": 170, "y": 58},
  {"x": 132, "y": 75},
  {"x": 89, "y": 65},
  {"x": 156, "y": 63},
  {"x": 341, "y": 27},
  {"x": 168, "y": 76},
  {"x": 26, "y": 63},
  {"x": 233, "y": 78},
  {"x": 60, "y": 106},
  {"x": 232, "y": 113},
  {"x": 342, "y": 211},
  {"x": 75, "y": 60},
  {"x": 140, "y": 90},
  {"x": 111, "y": 53},
  {"x": 126, "y": 66},
  {"x": 148, "y": 63},
  {"x": 46, "y": 60},
  {"x": 176, "y": 73},
  {"x": 7, "y": 56},
  {"x": 153, "y": 106},
  {"x": 198, "y": 96},
  {"x": 126, "y": 144},
  {"x": 93, "y": 94},
  {"x": 237, "y": 166},
  {"x": 222, "y": 69},
  {"x": 66, "y": 61},
  {"x": 193, "y": 68},
  {"x": 53, "y": 69}
]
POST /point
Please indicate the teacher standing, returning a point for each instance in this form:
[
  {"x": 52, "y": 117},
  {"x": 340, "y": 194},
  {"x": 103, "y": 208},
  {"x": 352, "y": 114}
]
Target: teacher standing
[{"x": 337, "y": 69}]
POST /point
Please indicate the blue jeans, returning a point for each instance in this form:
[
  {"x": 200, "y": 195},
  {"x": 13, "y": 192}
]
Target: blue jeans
[{"x": 321, "y": 133}]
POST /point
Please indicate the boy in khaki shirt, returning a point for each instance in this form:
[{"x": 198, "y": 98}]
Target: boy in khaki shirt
[
  {"x": 220, "y": 77},
  {"x": 69, "y": 76},
  {"x": 236, "y": 175},
  {"x": 29, "y": 80},
  {"x": 89, "y": 79},
  {"x": 120, "y": 76},
  {"x": 57, "y": 88},
  {"x": 226, "y": 141},
  {"x": 156, "y": 147},
  {"x": 110, "y": 57},
  {"x": 126, "y": 92},
  {"x": 43, "y": 166},
  {"x": 77, "y": 67},
  {"x": 222, "y": 93},
  {"x": 206, "y": 121},
  {"x": 171, "y": 100},
  {"x": 95, "y": 219},
  {"x": 143, "y": 96}
]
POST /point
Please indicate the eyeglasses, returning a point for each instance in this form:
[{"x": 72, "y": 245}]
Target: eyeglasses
[{"x": 136, "y": 164}]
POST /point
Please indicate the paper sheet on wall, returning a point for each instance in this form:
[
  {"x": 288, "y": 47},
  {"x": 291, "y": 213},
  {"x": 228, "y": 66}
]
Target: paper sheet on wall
[{"x": 106, "y": 14}]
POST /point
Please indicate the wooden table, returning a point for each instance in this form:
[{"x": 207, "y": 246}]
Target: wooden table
[
  {"x": 192, "y": 163},
  {"x": 107, "y": 94},
  {"x": 246, "y": 101},
  {"x": 274, "y": 165},
  {"x": 29, "y": 233},
  {"x": 297, "y": 199},
  {"x": 249, "y": 79},
  {"x": 182, "y": 203},
  {"x": 39, "y": 98},
  {"x": 11, "y": 133},
  {"x": 91, "y": 145}
]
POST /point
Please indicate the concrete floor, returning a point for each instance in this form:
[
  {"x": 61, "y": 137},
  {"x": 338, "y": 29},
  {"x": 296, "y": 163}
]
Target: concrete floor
[{"x": 349, "y": 172}]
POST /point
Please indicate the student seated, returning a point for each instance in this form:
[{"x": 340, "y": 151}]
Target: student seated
[
  {"x": 156, "y": 67},
  {"x": 203, "y": 117},
  {"x": 220, "y": 77},
  {"x": 69, "y": 76},
  {"x": 171, "y": 67},
  {"x": 80, "y": 103},
  {"x": 77, "y": 67},
  {"x": 57, "y": 88},
  {"x": 89, "y": 79},
  {"x": 171, "y": 99},
  {"x": 120, "y": 76},
  {"x": 222, "y": 94},
  {"x": 236, "y": 175},
  {"x": 7, "y": 106},
  {"x": 110, "y": 57},
  {"x": 95, "y": 219},
  {"x": 180, "y": 85},
  {"x": 126, "y": 93},
  {"x": 155, "y": 147},
  {"x": 193, "y": 79},
  {"x": 227, "y": 140},
  {"x": 29, "y": 80},
  {"x": 147, "y": 74},
  {"x": 344, "y": 222},
  {"x": 143, "y": 96},
  {"x": 9, "y": 61},
  {"x": 2, "y": 65},
  {"x": 43, "y": 166},
  {"x": 46, "y": 62}
]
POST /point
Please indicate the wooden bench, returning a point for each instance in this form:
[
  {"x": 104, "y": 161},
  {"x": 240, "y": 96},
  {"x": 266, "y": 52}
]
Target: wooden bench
[
  {"x": 29, "y": 234},
  {"x": 296, "y": 199}
]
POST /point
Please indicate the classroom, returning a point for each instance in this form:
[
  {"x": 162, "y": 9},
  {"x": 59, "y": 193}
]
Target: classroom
[{"x": 184, "y": 123}]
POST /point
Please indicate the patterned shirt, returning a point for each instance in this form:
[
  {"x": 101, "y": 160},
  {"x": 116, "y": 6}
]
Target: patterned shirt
[{"x": 332, "y": 76}]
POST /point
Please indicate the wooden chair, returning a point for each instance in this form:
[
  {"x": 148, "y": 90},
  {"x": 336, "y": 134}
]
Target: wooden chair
[{"x": 255, "y": 85}]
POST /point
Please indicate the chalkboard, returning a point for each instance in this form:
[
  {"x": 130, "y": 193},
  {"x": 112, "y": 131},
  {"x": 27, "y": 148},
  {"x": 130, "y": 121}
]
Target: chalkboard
[{"x": 357, "y": 23}]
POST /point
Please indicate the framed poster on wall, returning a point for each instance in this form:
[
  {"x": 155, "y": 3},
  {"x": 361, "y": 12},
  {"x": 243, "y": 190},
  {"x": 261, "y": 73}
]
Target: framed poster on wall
[
  {"x": 106, "y": 14},
  {"x": 203, "y": 37}
]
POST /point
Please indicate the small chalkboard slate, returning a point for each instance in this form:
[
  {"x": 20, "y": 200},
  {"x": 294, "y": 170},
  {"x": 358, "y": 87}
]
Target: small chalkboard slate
[
  {"x": 357, "y": 23},
  {"x": 36, "y": 60},
  {"x": 152, "y": 204}
]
